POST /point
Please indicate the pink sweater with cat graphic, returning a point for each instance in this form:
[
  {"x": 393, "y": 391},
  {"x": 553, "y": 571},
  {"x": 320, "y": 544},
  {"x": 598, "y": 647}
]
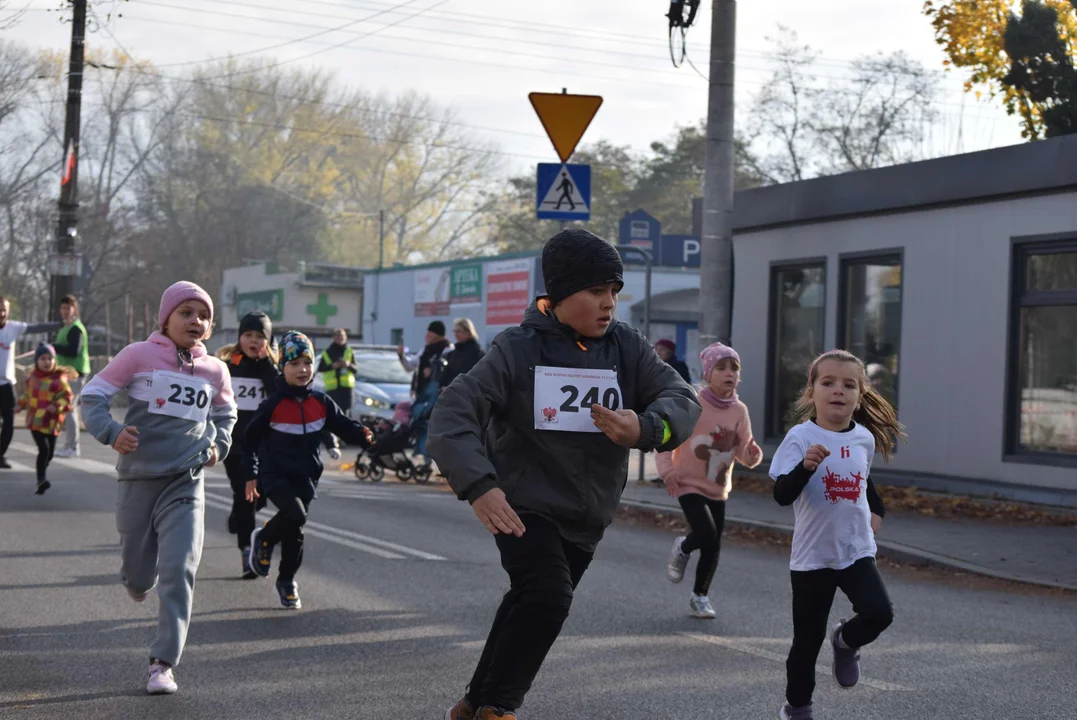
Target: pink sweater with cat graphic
[{"x": 704, "y": 463}]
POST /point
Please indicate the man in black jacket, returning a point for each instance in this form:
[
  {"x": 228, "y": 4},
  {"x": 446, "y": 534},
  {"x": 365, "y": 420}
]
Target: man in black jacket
[{"x": 537, "y": 436}]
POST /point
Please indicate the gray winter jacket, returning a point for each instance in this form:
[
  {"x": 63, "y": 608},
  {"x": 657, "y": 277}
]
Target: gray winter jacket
[{"x": 483, "y": 429}]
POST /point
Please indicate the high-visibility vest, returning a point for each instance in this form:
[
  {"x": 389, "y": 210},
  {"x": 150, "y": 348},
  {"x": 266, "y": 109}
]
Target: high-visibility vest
[
  {"x": 338, "y": 377},
  {"x": 80, "y": 362}
]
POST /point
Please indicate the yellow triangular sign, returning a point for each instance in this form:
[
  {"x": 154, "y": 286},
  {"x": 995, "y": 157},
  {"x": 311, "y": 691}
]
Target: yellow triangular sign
[{"x": 565, "y": 118}]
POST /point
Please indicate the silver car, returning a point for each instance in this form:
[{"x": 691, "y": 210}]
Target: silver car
[{"x": 380, "y": 383}]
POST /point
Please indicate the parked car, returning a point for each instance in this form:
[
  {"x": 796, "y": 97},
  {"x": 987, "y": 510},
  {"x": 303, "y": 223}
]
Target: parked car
[{"x": 381, "y": 382}]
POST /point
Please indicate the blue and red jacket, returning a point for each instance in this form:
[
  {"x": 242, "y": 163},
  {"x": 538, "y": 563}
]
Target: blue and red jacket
[{"x": 286, "y": 434}]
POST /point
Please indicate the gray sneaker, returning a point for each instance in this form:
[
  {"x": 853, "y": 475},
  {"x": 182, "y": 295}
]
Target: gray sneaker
[
  {"x": 678, "y": 561},
  {"x": 846, "y": 662},
  {"x": 701, "y": 607},
  {"x": 788, "y": 712}
]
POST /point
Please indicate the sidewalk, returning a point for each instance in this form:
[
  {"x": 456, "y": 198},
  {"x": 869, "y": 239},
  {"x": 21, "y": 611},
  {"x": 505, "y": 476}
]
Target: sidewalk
[
  {"x": 1045, "y": 556},
  {"x": 1039, "y": 555}
]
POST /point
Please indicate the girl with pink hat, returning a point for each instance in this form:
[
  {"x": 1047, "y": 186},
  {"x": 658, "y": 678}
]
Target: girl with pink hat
[{"x": 699, "y": 473}]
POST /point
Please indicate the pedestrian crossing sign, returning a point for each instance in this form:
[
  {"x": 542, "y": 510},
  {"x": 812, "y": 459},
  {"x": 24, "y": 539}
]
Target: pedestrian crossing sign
[{"x": 564, "y": 192}]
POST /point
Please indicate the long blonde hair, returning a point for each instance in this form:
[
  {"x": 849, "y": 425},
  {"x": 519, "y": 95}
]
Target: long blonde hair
[
  {"x": 228, "y": 352},
  {"x": 874, "y": 413}
]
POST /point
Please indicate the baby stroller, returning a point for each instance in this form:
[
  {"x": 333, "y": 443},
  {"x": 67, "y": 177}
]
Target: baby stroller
[{"x": 392, "y": 440}]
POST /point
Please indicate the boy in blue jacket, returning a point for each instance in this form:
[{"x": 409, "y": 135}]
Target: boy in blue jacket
[{"x": 285, "y": 434}]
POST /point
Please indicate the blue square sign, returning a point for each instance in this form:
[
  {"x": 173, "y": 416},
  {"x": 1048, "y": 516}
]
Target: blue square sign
[{"x": 564, "y": 192}]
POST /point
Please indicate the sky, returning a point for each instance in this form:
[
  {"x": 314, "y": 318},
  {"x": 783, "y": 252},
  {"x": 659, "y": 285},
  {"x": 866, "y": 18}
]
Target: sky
[{"x": 483, "y": 58}]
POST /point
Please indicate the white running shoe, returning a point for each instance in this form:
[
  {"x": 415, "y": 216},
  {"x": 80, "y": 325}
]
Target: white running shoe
[
  {"x": 678, "y": 561},
  {"x": 135, "y": 594},
  {"x": 334, "y": 453},
  {"x": 67, "y": 453},
  {"x": 161, "y": 681},
  {"x": 701, "y": 607}
]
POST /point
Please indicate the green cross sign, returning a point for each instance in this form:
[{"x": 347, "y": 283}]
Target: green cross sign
[{"x": 322, "y": 310}]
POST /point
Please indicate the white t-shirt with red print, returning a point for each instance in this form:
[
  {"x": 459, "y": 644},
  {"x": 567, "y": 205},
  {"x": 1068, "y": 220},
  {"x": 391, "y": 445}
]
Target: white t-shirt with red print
[{"x": 832, "y": 527}]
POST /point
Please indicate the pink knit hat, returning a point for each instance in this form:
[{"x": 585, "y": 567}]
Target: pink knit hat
[
  {"x": 712, "y": 354},
  {"x": 179, "y": 293}
]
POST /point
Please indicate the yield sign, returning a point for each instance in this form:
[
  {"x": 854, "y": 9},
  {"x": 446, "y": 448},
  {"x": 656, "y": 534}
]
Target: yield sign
[{"x": 565, "y": 118}]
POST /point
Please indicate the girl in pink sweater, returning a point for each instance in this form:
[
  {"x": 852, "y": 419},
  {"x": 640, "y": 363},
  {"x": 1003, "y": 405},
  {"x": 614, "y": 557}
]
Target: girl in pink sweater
[{"x": 700, "y": 472}]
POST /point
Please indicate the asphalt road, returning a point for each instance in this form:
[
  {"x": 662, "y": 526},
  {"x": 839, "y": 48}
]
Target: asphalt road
[{"x": 398, "y": 587}]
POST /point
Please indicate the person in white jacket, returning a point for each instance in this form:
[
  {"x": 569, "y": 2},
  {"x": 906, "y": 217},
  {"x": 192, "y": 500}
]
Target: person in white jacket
[{"x": 10, "y": 332}]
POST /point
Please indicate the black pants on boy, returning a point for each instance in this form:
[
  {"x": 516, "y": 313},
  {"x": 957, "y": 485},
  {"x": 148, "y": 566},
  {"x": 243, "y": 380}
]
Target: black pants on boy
[
  {"x": 544, "y": 570},
  {"x": 241, "y": 519},
  {"x": 286, "y": 528},
  {"x": 46, "y": 446},
  {"x": 707, "y": 520},
  {"x": 7, "y": 417},
  {"x": 813, "y": 595}
]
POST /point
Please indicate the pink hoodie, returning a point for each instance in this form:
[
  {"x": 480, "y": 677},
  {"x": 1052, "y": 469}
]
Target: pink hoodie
[{"x": 704, "y": 464}]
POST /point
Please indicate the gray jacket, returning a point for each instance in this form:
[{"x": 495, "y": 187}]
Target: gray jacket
[{"x": 482, "y": 431}]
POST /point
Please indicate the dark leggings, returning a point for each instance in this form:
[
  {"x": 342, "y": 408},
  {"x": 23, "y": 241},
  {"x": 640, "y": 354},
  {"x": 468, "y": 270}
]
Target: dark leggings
[
  {"x": 7, "y": 417},
  {"x": 286, "y": 528},
  {"x": 243, "y": 512},
  {"x": 46, "y": 446},
  {"x": 707, "y": 520},
  {"x": 813, "y": 595}
]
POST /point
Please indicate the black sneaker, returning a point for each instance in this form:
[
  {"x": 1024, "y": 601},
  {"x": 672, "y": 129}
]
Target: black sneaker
[
  {"x": 289, "y": 595},
  {"x": 247, "y": 572},
  {"x": 42, "y": 487},
  {"x": 5, "y": 464},
  {"x": 261, "y": 556}
]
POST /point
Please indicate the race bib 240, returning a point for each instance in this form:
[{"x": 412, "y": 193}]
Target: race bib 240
[{"x": 564, "y": 396}]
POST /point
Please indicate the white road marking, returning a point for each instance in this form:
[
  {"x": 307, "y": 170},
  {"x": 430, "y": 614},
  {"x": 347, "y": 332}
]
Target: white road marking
[
  {"x": 372, "y": 545},
  {"x": 741, "y": 646},
  {"x": 95, "y": 467}
]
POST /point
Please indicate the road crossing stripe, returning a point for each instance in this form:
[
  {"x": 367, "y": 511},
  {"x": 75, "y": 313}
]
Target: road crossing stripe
[
  {"x": 19, "y": 467},
  {"x": 740, "y": 646},
  {"x": 384, "y": 546}
]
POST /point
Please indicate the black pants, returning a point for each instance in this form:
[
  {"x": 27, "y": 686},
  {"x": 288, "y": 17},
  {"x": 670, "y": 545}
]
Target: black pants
[
  {"x": 286, "y": 528},
  {"x": 7, "y": 417},
  {"x": 813, "y": 595},
  {"x": 707, "y": 520},
  {"x": 543, "y": 572},
  {"x": 46, "y": 446},
  {"x": 241, "y": 519}
]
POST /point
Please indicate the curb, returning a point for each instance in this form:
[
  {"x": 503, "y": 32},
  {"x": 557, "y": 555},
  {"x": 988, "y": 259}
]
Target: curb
[{"x": 886, "y": 548}]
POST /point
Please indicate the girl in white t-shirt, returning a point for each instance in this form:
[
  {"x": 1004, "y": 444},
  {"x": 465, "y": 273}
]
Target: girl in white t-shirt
[{"x": 822, "y": 469}]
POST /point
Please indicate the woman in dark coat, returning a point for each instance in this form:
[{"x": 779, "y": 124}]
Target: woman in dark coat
[{"x": 465, "y": 354}]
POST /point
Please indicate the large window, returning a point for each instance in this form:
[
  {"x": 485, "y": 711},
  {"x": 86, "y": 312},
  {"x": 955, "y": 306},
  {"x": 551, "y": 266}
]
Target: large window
[
  {"x": 797, "y": 316},
  {"x": 1042, "y": 422},
  {"x": 869, "y": 323}
]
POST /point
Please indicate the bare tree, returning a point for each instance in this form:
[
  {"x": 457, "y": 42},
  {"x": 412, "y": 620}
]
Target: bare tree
[{"x": 799, "y": 127}]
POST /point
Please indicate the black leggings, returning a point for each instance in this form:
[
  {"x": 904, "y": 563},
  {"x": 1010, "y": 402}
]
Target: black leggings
[
  {"x": 813, "y": 595},
  {"x": 241, "y": 518},
  {"x": 7, "y": 417},
  {"x": 46, "y": 446},
  {"x": 286, "y": 528},
  {"x": 707, "y": 520}
]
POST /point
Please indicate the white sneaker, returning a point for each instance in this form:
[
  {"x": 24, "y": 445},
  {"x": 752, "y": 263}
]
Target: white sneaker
[
  {"x": 161, "y": 681},
  {"x": 701, "y": 607},
  {"x": 678, "y": 561},
  {"x": 334, "y": 453},
  {"x": 135, "y": 594},
  {"x": 68, "y": 453}
]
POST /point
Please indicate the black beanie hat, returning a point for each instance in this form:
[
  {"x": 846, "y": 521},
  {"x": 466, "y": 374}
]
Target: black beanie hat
[
  {"x": 259, "y": 322},
  {"x": 575, "y": 260},
  {"x": 437, "y": 327}
]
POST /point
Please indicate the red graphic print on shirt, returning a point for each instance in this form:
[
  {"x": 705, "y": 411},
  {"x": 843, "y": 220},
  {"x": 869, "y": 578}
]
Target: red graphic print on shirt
[{"x": 841, "y": 488}]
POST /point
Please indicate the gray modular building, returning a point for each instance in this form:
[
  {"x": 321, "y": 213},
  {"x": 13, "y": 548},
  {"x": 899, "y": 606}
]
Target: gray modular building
[{"x": 955, "y": 280}]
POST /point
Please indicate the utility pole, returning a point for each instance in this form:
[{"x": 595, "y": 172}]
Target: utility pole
[
  {"x": 716, "y": 272},
  {"x": 65, "y": 267}
]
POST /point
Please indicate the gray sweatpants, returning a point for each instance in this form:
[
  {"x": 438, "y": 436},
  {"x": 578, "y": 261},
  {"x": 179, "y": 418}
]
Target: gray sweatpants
[
  {"x": 161, "y": 528},
  {"x": 71, "y": 424}
]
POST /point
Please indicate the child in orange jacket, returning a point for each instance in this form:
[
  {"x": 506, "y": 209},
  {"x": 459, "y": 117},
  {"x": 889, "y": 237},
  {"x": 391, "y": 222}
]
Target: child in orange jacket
[{"x": 46, "y": 401}]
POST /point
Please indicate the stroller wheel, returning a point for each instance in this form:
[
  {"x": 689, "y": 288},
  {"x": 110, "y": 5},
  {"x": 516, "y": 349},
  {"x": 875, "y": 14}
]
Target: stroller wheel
[
  {"x": 377, "y": 472},
  {"x": 362, "y": 468},
  {"x": 422, "y": 474},
  {"x": 404, "y": 473}
]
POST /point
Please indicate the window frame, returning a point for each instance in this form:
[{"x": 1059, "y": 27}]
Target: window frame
[
  {"x": 1021, "y": 248},
  {"x": 867, "y": 257},
  {"x": 770, "y": 432}
]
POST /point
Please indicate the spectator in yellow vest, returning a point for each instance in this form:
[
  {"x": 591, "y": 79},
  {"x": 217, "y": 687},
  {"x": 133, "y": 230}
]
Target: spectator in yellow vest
[
  {"x": 337, "y": 367},
  {"x": 72, "y": 350}
]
